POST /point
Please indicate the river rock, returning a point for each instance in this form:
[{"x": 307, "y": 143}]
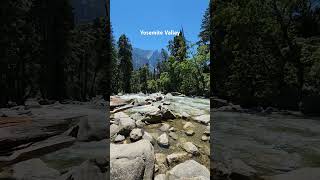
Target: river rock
[
  {"x": 188, "y": 125},
  {"x": 204, "y": 119},
  {"x": 189, "y": 170},
  {"x": 33, "y": 169},
  {"x": 173, "y": 135},
  {"x": 163, "y": 140},
  {"x": 126, "y": 125},
  {"x": 167, "y": 114},
  {"x": 190, "y": 148},
  {"x": 189, "y": 132},
  {"x": 160, "y": 177},
  {"x": 185, "y": 115},
  {"x": 136, "y": 134},
  {"x": 177, "y": 157},
  {"x": 119, "y": 138},
  {"x": 132, "y": 161},
  {"x": 165, "y": 127},
  {"x": 140, "y": 124},
  {"x": 172, "y": 129},
  {"x": 87, "y": 170},
  {"x": 137, "y": 117},
  {"x": 205, "y": 138},
  {"x": 148, "y": 137},
  {"x": 114, "y": 129}
]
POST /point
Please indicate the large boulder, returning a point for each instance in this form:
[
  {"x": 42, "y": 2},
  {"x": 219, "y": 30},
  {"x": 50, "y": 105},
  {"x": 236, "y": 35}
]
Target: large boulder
[
  {"x": 132, "y": 161},
  {"x": 189, "y": 170}
]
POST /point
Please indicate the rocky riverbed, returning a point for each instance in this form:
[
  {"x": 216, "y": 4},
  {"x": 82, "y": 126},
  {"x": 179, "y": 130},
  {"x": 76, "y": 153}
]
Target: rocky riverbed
[
  {"x": 159, "y": 136},
  {"x": 49, "y": 140},
  {"x": 269, "y": 144}
]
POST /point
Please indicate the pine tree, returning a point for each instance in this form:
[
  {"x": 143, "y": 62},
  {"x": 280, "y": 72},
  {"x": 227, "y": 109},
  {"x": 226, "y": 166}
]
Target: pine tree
[
  {"x": 125, "y": 66},
  {"x": 178, "y": 47}
]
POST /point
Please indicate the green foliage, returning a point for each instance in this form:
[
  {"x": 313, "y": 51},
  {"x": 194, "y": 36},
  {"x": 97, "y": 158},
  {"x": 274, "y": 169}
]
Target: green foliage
[
  {"x": 125, "y": 63},
  {"x": 264, "y": 51}
]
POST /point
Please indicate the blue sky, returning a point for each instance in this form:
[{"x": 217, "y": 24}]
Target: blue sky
[{"x": 130, "y": 16}]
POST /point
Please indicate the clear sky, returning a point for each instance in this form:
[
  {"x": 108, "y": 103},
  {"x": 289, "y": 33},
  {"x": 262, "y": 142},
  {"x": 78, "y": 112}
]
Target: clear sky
[{"x": 130, "y": 16}]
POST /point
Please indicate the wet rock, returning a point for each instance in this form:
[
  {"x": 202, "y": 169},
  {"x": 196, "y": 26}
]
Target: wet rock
[
  {"x": 87, "y": 170},
  {"x": 132, "y": 161},
  {"x": 189, "y": 132},
  {"x": 160, "y": 177},
  {"x": 167, "y": 114},
  {"x": 217, "y": 103},
  {"x": 119, "y": 138},
  {"x": 188, "y": 125},
  {"x": 136, "y": 134},
  {"x": 204, "y": 119},
  {"x": 177, "y": 157},
  {"x": 173, "y": 135},
  {"x": 33, "y": 169},
  {"x": 165, "y": 127},
  {"x": 163, "y": 140},
  {"x": 190, "y": 148},
  {"x": 189, "y": 170},
  {"x": 148, "y": 137},
  {"x": 185, "y": 115}
]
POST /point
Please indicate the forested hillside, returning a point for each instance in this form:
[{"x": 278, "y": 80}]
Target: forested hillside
[
  {"x": 45, "y": 55},
  {"x": 267, "y": 53},
  {"x": 184, "y": 69}
]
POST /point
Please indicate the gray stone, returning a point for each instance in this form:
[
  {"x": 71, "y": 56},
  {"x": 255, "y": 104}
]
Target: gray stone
[
  {"x": 190, "y": 148},
  {"x": 165, "y": 127},
  {"x": 140, "y": 124},
  {"x": 163, "y": 140},
  {"x": 177, "y": 157},
  {"x": 188, "y": 125},
  {"x": 189, "y": 170},
  {"x": 160, "y": 177},
  {"x": 205, "y": 138},
  {"x": 119, "y": 138},
  {"x": 136, "y": 134},
  {"x": 189, "y": 132},
  {"x": 185, "y": 115},
  {"x": 132, "y": 161},
  {"x": 173, "y": 135},
  {"x": 114, "y": 129},
  {"x": 148, "y": 137},
  {"x": 204, "y": 119}
]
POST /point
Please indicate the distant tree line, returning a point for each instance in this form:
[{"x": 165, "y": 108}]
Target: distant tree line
[
  {"x": 44, "y": 54},
  {"x": 267, "y": 53},
  {"x": 184, "y": 69}
]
